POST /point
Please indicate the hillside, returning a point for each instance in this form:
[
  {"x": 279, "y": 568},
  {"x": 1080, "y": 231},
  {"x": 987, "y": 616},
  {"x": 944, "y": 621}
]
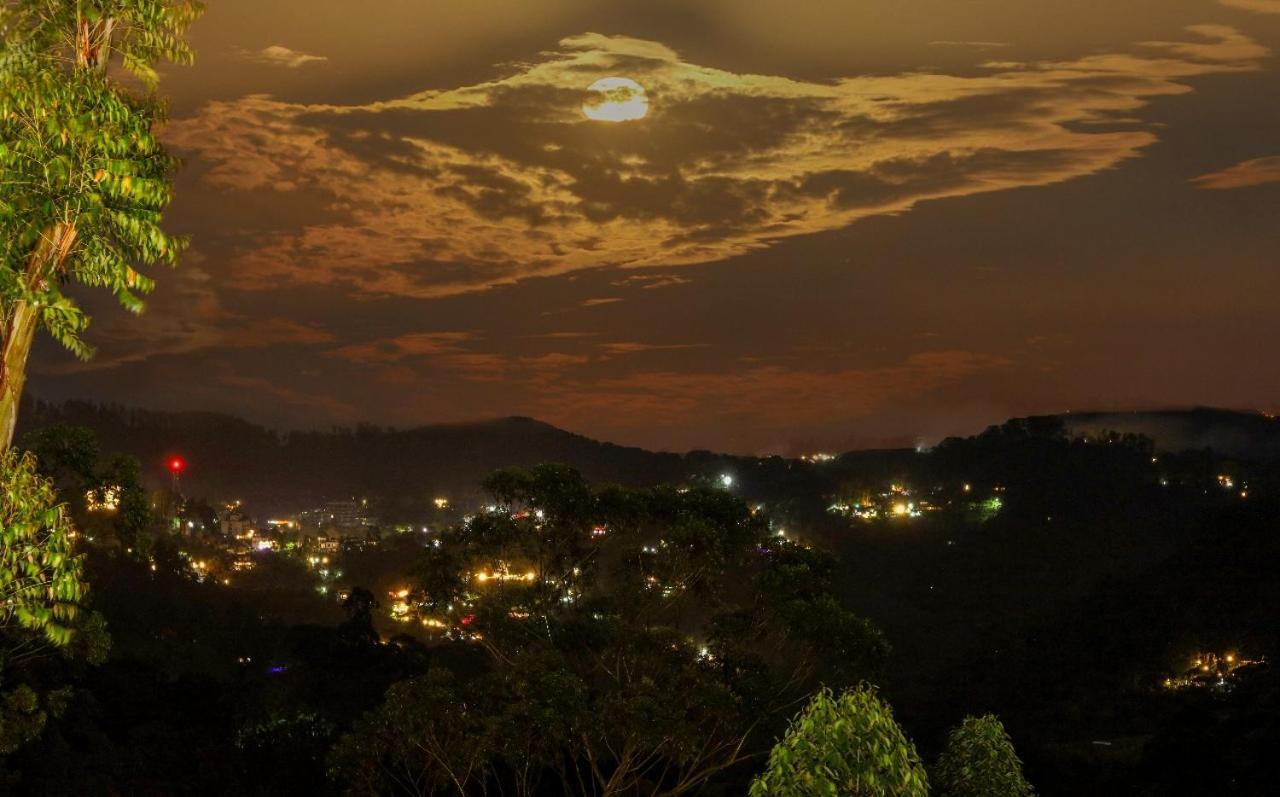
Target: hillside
[
  {"x": 229, "y": 457},
  {"x": 1247, "y": 435}
]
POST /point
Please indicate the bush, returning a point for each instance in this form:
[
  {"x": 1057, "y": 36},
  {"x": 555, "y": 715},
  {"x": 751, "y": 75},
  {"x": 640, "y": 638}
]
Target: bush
[
  {"x": 848, "y": 746},
  {"x": 979, "y": 761}
]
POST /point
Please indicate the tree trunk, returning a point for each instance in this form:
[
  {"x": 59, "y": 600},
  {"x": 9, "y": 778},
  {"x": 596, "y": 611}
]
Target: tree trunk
[
  {"x": 18, "y": 336},
  {"x": 20, "y": 325}
]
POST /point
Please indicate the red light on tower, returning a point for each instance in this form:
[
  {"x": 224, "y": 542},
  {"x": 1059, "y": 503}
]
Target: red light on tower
[{"x": 177, "y": 465}]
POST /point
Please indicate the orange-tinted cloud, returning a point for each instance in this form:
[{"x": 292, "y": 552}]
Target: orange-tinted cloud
[
  {"x": 201, "y": 322},
  {"x": 1246, "y": 174},
  {"x": 279, "y": 55},
  {"x": 766, "y": 394},
  {"x": 457, "y": 190},
  {"x": 1260, "y": 6},
  {"x": 418, "y": 344},
  {"x": 634, "y": 347}
]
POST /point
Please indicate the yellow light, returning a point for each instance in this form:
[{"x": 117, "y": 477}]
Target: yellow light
[
  {"x": 482, "y": 576},
  {"x": 1230, "y": 658},
  {"x": 615, "y": 99},
  {"x": 899, "y": 509}
]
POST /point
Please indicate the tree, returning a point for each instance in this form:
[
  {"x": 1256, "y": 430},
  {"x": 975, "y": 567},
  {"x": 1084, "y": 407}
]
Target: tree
[
  {"x": 83, "y": 180},
  {"x": 605, "y": 604},
  {"x": 359, "y": 607},
  {"x": 849, "y": 746},
  {"x": 41, "y": 583},
  {"x": 66, "y": 454},
  {"x": 36, "y": 681},
  {"x": 133, "y": 519},
  {"x": 979, "y": 761},
  {"x": 430, "y": 736},
  {"x": 41, "y": 588}
]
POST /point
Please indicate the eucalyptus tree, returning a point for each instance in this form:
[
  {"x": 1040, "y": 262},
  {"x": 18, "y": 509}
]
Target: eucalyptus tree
[{"x": 83, "y": 179}]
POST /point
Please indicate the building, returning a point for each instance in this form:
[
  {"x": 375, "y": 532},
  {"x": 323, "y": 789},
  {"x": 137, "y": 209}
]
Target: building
[
  {"x": 232, "y": 522},
  {"x": 345, "y": 517},
  {"x": 341, "y": 515}
]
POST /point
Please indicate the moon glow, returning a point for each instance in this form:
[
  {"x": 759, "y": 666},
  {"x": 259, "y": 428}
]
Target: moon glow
[{"x": 615, "y": 99}]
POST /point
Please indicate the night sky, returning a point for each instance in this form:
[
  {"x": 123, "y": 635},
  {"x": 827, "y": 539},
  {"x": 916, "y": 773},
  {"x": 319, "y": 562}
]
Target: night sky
[{"x": 842, "y": 223}]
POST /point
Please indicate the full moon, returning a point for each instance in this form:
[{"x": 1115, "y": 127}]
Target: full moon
[{"x": 615, "y": 99}]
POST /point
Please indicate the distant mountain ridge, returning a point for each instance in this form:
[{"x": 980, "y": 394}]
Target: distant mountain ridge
[
  {"x": 282, "y": 471},
  {"x": 228, "y": 456},
  {"x": 1247, "y": 435}
]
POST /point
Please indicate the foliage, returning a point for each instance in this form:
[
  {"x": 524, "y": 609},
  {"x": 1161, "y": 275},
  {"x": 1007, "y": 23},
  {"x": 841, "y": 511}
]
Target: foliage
[
  {"x": 24, "y": 714},
  {"x": 849, "y": 746},
  {"x": 429, "y": 734},
  {"x": 595, "y": 607},
  {"x": 69, "y": 456},
  {"x": 979, "y": 761},
  {"x": 84, "y": 184},
  {"x": 83, "y": 180},
  {"x": 41, "y": 589},
  {"x": 88, "y": 33},
  {"x": 41, "y": 585},
  {"x": 133, "y": 519},
  {"x": 66, "y": 454}
]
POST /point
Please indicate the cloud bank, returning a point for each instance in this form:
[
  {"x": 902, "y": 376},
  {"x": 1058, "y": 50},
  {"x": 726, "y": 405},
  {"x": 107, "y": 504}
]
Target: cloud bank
[{"x": 457, "y": 190}]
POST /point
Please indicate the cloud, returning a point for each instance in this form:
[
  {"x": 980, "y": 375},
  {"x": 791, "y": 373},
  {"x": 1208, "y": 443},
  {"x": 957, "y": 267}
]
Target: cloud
[
  {"x": 768, "y": 394},
  {"x": 565, "y": 335},
  {"x": 1258, "y": 171},
  {"x": 649, "y": 281},
  {"x": 456, "y": 190},
  {"x": 634, "y": 347},
  {"x": 1260, "y": 6},
  {"x": 1223, "y": 44},
  {"x": 601, "y": 301},
  {"x": 975, "y": 45},
  {"x": 413, "y": 345},
  {"x": 279, "y": 55},
  {"x": 201, "y": 323}
]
